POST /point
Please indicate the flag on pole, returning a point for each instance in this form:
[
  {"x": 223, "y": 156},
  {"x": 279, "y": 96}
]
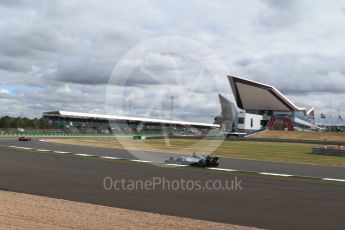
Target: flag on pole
[
  {"x": 340, "y": 118},
  {"x": 323, "y": 115}
]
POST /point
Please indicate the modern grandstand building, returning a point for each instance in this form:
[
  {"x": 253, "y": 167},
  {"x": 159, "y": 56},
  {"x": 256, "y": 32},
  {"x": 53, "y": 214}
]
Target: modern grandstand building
[
  {"x": 89, "y": 123},
  {"x": 262, "y": 106}
]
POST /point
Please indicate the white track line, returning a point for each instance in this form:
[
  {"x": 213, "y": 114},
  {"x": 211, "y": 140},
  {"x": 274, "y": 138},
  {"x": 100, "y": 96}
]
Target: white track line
[
  {"x": 221, "y": 169},
  {"x": 142, "y": 161},
  {"x": 332, "y": 179},
  {"x": 110, "y": 158},
  {"x": 275, "y": 174},
  {"x": 83, "y": 155},
  {"x": 19, "y": 147},
  {"x": 60, "y": 152},
  {"x": 178, "y": 165},
  {"x": 43, "y": 150}
]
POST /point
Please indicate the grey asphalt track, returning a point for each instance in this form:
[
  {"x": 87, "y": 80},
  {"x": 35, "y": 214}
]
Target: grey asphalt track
[
  {"x": 229, "y": 163},
  {"x": 266, "y": 202}
]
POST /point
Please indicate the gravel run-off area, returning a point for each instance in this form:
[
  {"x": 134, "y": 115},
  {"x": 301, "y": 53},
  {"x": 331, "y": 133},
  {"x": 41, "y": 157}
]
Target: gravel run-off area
[{"x": 23, "y": 211}]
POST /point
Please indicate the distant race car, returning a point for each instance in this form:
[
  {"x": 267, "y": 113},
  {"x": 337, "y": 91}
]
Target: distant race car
[
  {"x": 24, "y": 139},
  {"x": 194, "y": 160}
]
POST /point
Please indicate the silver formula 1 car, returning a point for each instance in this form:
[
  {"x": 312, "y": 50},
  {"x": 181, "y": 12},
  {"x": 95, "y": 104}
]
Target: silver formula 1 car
[{"x": 194, "y": 160}]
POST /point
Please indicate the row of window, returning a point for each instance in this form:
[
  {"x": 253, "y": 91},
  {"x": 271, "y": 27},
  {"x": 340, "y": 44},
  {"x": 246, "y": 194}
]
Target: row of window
[{"x": 241, "y": 121}]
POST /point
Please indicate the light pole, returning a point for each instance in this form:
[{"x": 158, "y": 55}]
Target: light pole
[{"x": 171, "y": 107}]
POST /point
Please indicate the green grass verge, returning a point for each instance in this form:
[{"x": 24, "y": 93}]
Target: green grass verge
[
  {"x": 272, "y": 151},
  {"x": 301, "y": 135}
]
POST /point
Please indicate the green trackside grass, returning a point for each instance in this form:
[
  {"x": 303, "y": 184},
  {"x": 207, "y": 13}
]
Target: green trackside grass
[
  {"x": 46, "y": 135},
  {"x": 272, "y": 151},
  {"x": 269, "y": 151},
  {"x": 301, "y": 135}
]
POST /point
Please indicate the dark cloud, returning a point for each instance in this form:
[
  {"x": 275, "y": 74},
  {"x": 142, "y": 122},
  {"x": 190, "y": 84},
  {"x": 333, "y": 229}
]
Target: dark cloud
[
  {"x": 16, "y": 3},
  {"x": 13, "y": 64},
  {"x": 85, "y": 70},
  {"x": 281, "y": 4},
  {"x": 280, "y": 14}
]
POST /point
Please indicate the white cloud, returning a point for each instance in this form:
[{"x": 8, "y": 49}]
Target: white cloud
[
  {"x": 4, "y": 91},
  {"x": 60, "y": 53}
]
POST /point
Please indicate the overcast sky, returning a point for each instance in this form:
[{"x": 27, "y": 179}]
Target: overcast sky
[{"x": 62, "y": 54}]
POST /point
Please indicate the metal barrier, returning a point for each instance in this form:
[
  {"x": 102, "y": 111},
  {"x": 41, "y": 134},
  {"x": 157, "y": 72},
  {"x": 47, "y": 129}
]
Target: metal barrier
[{"x": 328, "y": 151}]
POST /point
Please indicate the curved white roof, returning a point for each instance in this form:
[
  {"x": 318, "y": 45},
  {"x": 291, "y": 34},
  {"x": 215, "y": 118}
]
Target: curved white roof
[
  {"x": 252, "y": 95},
  {"x": 124, "y": 118},
  {"x": 308, "y": 109}
]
